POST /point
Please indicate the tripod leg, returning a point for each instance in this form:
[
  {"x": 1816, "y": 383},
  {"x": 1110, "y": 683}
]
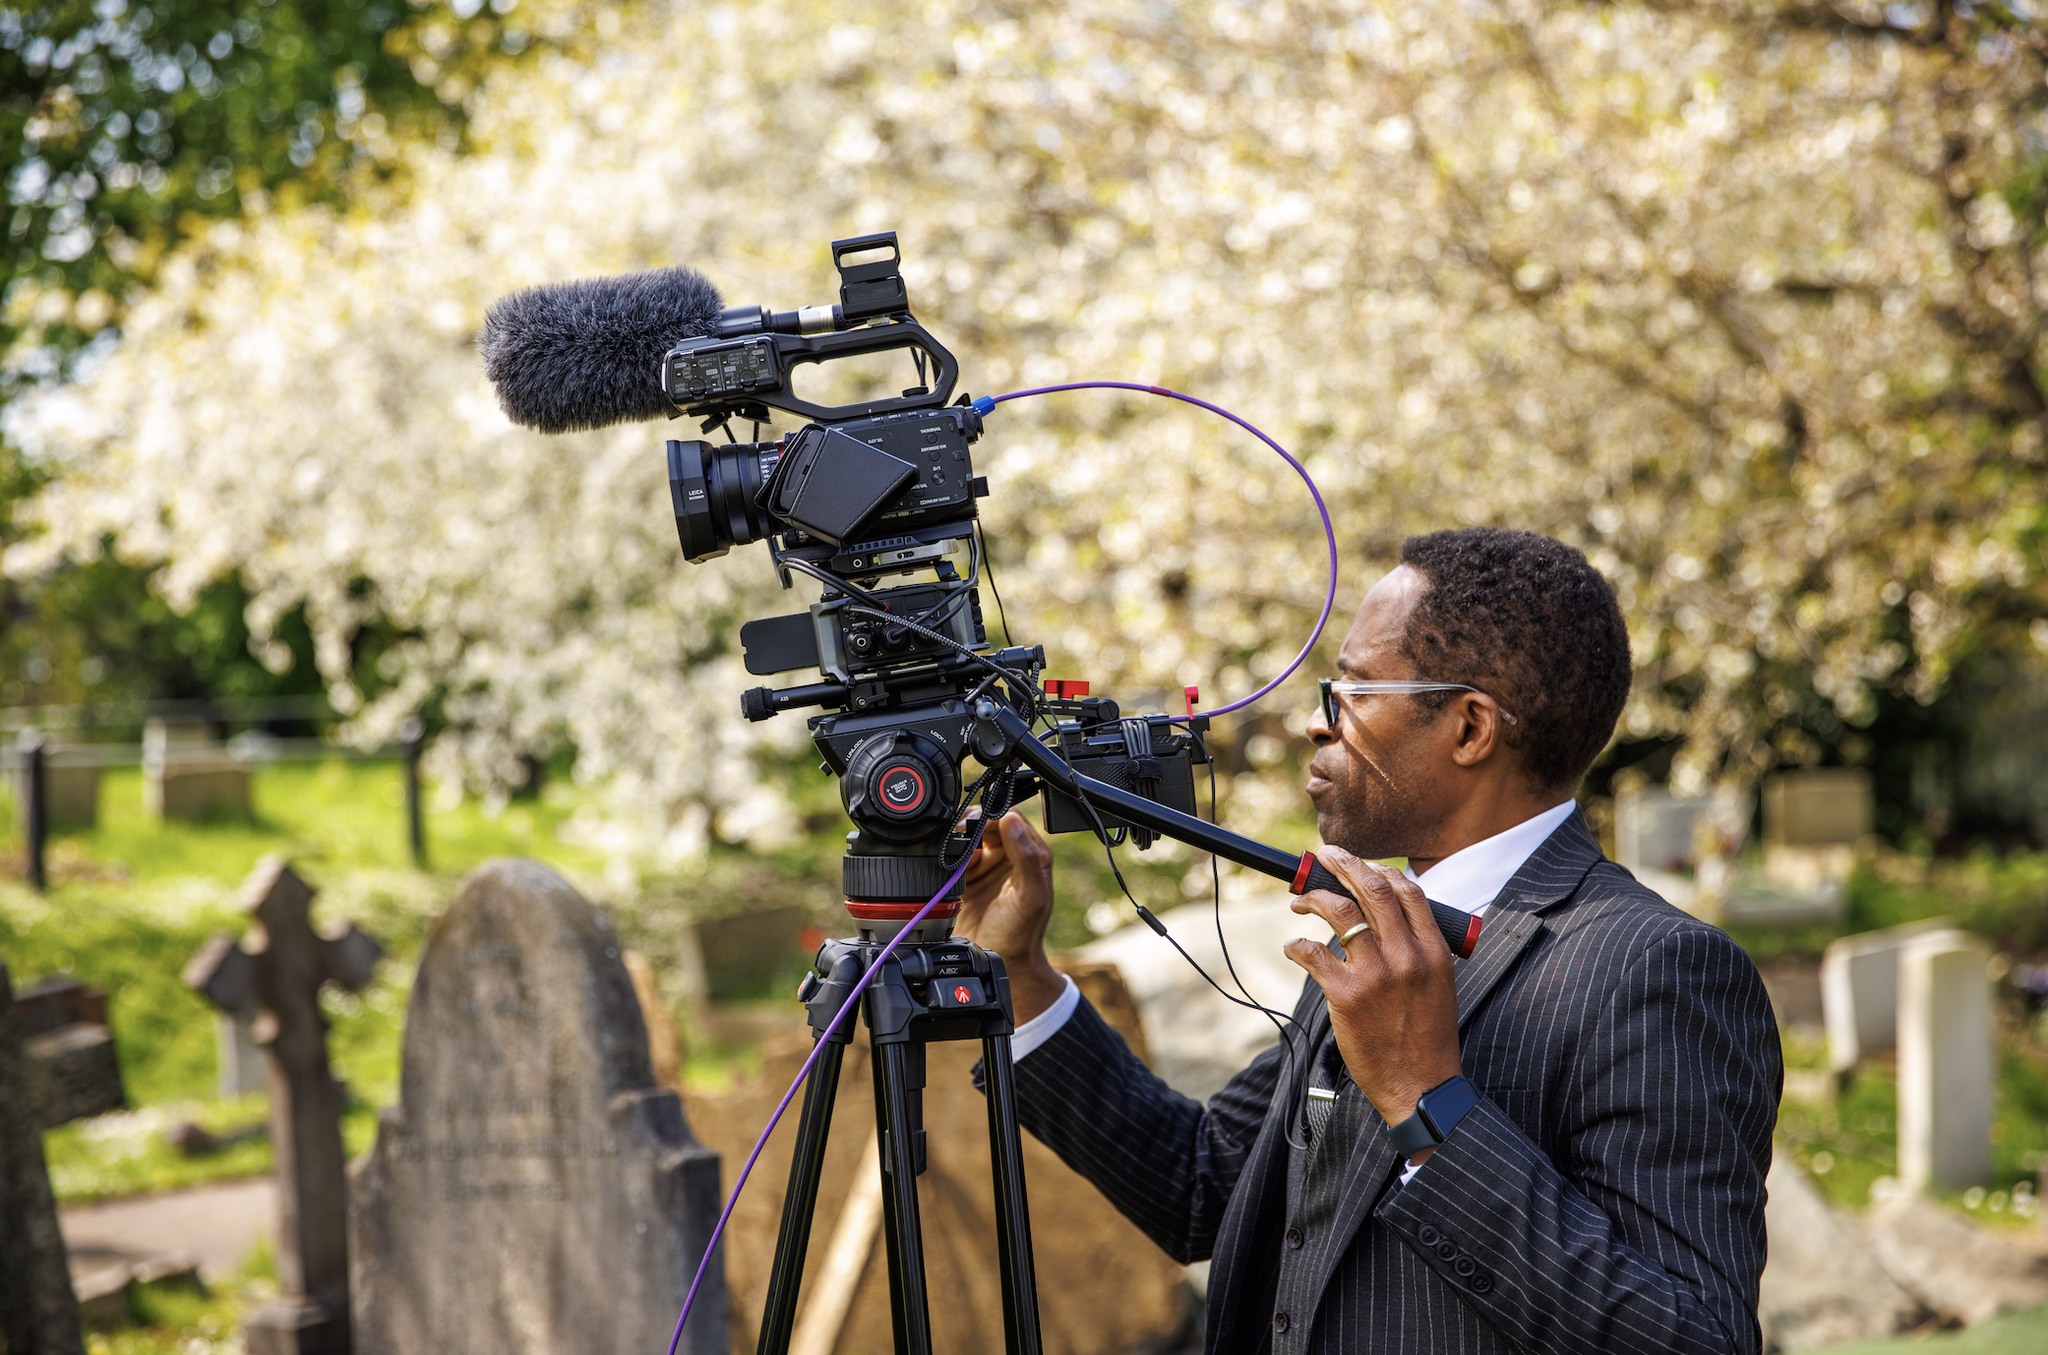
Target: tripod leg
[
  {"x": 805, "y": 1169},
  {"x": 1013, "y": 1213},
  {"x": 897, "y": 1085}
]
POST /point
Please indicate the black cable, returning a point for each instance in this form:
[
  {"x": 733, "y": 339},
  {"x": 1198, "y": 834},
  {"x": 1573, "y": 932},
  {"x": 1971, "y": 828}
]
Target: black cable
[
  {"x": 1216, "y": 904},
  {"x": 1025, "y": 692},
  {"x": 846, "y": 586},
  {"x": 1286, "y": 1042},
  {"x": 990, "y": 567}
]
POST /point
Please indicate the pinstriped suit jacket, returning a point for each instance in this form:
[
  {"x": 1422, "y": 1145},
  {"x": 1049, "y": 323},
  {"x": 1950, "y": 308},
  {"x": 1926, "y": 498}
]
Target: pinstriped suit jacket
[{"x": 1606, "y": 1194}]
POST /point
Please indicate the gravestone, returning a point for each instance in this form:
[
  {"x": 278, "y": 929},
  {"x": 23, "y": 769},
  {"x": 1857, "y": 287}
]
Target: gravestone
[
  {"x": 533, "y": 1192},
  {"x": 72, "y": 1070},
  {"x": 38, "y": 1311},
  {"x": 1859, "y": 993},
  {"x": 71, "y": 788},
  {"x": 277, "y": 975},
  {"x": 188, "y": 774},
  {"x": 1657, "y": 829},
  {"x": 1813, "y": 822},
  {"x": 1947, "y": 1061}
]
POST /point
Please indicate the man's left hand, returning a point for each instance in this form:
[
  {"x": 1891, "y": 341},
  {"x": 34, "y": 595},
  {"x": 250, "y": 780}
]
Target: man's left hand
[{"x": 1393, "y": 995}]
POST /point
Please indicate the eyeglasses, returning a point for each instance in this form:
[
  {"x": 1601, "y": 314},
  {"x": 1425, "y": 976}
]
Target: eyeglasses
[{"x": 1332, "y": 688}]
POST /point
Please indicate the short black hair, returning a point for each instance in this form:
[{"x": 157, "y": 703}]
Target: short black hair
[{"x": 1529, "y": 621}]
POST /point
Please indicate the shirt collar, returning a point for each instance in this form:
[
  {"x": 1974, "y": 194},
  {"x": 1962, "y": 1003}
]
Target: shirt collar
[{"x": 1472, "y": 877}]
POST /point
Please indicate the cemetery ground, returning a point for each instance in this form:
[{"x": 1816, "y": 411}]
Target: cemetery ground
[{"x": 132, "y": 899}]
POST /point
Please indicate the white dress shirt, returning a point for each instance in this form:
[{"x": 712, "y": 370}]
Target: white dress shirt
[{"x": 1470, "y": 878}]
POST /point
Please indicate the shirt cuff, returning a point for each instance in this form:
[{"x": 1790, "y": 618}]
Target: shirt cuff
[
  {"x": 1408, "y": 1171},
  {"x": 1047, "y": 1023}
]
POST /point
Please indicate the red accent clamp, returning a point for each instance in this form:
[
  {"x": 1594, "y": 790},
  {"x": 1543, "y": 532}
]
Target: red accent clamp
[
  {"x": 1066, "y": 689},
  {"x": 1193, "y": 694}
]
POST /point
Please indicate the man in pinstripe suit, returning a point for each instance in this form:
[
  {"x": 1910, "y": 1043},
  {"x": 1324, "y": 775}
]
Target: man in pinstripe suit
[{"x": 1556, "y": 1145}]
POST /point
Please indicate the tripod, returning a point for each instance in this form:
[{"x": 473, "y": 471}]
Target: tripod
[{"x": 929, "y": 990}]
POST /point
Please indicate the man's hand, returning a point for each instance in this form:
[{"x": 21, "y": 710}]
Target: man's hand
[
  {"x": 1005, "y": 903},
  {"x": 1393, "y": 998}
]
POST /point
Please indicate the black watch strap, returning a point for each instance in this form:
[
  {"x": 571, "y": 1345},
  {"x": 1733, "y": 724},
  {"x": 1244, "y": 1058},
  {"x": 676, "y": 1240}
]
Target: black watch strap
[{"x": 1436, "y": 1115}]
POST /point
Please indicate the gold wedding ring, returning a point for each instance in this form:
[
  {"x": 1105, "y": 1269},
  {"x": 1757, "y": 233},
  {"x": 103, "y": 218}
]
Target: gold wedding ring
[{"x": 1361, "y": 927}]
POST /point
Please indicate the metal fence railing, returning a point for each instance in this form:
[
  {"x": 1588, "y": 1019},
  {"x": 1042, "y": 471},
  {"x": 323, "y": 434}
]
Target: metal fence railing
[{"x": 31, "y": 758}]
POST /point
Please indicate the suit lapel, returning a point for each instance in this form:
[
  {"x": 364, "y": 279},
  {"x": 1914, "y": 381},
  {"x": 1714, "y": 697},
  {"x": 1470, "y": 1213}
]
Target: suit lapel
[{"x": 1547, "y": 879}]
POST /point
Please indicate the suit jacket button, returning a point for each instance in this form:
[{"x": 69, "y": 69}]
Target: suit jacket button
[
  {"x": 1294, "y": 1239},
  {"x": 1465, "y": 1266},
  {"x": 1281, "y": 1323},
  {"x": 1426, "y": 1235},
  {"x": 1481, "y": 1283},
  {"x": 1446, "y": 1249}
]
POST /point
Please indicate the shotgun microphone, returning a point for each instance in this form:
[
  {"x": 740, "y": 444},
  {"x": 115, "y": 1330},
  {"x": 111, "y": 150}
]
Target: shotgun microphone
[{"x": 571, "y": 356}]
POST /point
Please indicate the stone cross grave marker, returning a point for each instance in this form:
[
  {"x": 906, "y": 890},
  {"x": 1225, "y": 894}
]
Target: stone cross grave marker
[
  {"x": 1946, "y": 1061},
  {"x": 38, "y": 1311},
  {"x": 534, "y": 1191},
  {"x": 277, "y": 975}
]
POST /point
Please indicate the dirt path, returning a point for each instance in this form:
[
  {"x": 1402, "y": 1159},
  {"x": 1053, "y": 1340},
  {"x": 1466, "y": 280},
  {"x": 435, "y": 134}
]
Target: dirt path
[{"x": 216, "y": 1225}]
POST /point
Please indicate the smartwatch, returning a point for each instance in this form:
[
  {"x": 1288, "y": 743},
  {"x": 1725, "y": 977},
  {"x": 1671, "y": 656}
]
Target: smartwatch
[{"x": 1436, "y": 1115}]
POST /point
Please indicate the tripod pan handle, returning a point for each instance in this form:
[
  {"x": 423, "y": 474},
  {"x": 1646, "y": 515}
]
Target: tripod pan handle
[{"x": 1460, "y": 929}]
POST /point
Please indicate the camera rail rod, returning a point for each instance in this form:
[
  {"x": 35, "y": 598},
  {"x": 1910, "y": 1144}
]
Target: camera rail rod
[{"x": 1301, "y": 872}]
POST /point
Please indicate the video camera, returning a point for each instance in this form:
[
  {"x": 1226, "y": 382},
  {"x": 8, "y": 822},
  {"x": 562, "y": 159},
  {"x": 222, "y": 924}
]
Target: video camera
[{"x": 874, "y": 500}]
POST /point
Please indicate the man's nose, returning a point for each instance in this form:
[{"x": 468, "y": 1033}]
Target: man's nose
[{"x": 1319, "y": 730}]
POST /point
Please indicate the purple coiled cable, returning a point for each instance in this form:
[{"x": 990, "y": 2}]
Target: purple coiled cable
[
  {"x": 989, "y": 402},
  {"x": 984, "y": 404}
]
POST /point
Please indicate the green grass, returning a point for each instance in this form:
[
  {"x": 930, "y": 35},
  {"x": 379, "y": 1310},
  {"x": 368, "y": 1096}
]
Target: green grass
[
  {"x": 182, "y": 1318},
  {"x": 134, "y": 898},
  {"x": 1848, "y": 1145},
  {"x": 2014, "y": 1334}
]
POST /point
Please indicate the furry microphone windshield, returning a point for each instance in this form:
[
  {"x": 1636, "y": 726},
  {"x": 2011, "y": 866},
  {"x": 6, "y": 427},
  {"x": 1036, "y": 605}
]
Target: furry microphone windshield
[{"x": 577, "y": 355}]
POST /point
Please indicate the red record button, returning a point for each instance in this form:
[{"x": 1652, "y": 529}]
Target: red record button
[{"x": 903, "y": 789}]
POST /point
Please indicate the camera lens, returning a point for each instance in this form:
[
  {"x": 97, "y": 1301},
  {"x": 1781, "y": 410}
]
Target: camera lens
[{"x": 714, "y": 490}]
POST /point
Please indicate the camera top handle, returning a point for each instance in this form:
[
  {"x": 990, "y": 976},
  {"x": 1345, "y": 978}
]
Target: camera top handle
[{"x": 749, "y": 360}]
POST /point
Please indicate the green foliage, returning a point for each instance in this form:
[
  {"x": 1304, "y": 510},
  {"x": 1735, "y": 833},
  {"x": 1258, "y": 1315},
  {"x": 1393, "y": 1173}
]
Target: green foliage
[
  {"x": 2001, "y": 896},
  {"x": 127, "y": 123}
]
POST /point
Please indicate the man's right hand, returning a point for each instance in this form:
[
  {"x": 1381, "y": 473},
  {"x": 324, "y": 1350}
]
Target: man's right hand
[{"x": 1005, "y": 904}]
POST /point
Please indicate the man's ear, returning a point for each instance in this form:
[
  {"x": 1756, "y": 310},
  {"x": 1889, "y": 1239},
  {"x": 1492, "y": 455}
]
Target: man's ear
[{"x": 1480, "y": 732}]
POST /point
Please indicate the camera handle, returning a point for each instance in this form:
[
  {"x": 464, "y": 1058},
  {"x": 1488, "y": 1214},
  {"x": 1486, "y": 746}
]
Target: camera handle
[{"x": 1001, "y": 734}]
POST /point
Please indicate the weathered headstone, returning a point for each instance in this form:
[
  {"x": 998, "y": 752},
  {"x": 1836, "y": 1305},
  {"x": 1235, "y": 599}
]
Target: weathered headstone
[
  {"x": 72, "y": 1070},
  {"x": 534, "y": 1191},
  {"x": 1818, "y": 808},
  {"x": 1859, "y": 992},
  {"x": 38, "y": 1311},
  {"x": 1657, "y": 829},
  {"x": 1813, "y": 822},
  {"x": 188, "y": 774},
  {"x": 1947, "y": 1061},
  {"x": 278, "y": 974},
  {"x": 69, "y": 783}
]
